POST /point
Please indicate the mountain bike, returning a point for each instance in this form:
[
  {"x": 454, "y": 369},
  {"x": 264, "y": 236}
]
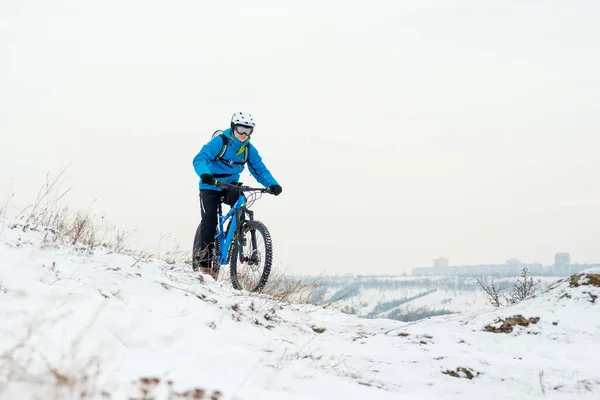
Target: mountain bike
[{"x": 245, "y": 243}]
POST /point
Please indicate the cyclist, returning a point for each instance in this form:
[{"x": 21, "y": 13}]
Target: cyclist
[{"x": 225, "y": 160}]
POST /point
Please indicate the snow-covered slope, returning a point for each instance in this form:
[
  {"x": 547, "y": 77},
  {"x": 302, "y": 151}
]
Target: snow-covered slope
[
  {"x": 75, "y": 325},
  {"x": 407, "y": 298}
]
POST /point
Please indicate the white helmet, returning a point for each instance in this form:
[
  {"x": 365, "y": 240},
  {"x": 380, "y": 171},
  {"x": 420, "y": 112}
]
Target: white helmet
[{"x": 242, "y": 118}]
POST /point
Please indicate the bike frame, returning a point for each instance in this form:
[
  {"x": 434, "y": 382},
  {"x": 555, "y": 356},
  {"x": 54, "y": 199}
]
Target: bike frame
[
  {"x": 238, "y": 209},
  {"x": 232, "y": 216}
]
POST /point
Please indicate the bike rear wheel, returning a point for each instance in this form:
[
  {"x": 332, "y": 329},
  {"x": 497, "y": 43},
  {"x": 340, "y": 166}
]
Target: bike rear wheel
[
  {"x": 216, "y": 265},
  {"x": 197, "y": 256},
  {"x": 251, "y": 257},
  {"x": 196, "y": 250}
]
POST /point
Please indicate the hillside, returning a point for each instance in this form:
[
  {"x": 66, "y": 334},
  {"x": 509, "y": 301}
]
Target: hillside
[
  {"x": 409, "y": 298},
  {"x": 96, "y": 324}
]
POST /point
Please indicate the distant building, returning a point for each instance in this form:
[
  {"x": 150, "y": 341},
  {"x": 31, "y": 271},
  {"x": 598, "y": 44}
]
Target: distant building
[
  {"x": 562, "y": 262},
  {"x": 513, "y": 262},
  {"x": 562, "y": 259},
  {"x": 509, "y": 269},
  {"x": 441, "y": 262}
]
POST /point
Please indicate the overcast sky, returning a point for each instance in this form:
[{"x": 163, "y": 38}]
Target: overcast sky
[{"x": 401, "y": 131}]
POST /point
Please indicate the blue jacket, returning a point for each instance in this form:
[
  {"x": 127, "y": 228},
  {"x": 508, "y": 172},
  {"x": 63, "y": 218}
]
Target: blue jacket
[{"x": 204, "y": 164}]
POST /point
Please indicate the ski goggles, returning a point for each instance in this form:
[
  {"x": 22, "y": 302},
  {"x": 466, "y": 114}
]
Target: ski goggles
[{"x": 244, "y": 130}]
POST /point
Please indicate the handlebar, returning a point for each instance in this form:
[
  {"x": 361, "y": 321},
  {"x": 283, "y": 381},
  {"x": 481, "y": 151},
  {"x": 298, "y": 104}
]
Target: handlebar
[{"x": 239, "y": 188}]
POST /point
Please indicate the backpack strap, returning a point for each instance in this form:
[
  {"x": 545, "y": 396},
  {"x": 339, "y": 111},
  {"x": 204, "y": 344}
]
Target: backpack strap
[
  {"x": 223, "y": 148},
  {"x": 219, "y": 156}
]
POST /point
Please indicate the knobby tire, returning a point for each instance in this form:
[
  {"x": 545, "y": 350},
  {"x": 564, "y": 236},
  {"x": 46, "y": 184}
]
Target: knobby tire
[{"x": 260, "y": 230}]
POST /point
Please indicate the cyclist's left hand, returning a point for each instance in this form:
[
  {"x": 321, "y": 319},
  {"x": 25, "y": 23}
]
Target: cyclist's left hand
[
  {"x": 207, "y": 179},
  {"x": 275, "y": 189}
]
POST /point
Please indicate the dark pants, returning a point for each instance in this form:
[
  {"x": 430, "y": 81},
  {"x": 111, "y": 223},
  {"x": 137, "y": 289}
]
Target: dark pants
[{"x": 209, "y": 206}]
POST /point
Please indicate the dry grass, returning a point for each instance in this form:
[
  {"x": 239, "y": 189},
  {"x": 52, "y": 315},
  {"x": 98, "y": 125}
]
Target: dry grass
[
  {"x": 3, "y": 213},
  {"x": 148, "y": 386},
  {"x": 176, "y": 254},
  {"x": 523, "y": 288},
  {"x": 508, "y": 323},
  {"x": 585, "y": 279},
  {"x": 48, "y": 200},
  {"x": 76, "y": 228},
  {"x": 280, "y": 287},
  {"x": 59, "y": 224},
  {"x": 462, "y": 372},
  {"x": 288, "y": 289}
]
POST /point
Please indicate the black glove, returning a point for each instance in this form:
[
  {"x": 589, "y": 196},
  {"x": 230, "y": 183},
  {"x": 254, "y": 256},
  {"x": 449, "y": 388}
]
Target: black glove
[
  {"x": 275, "y": 189},
  {"x": 207, "y": 179}
]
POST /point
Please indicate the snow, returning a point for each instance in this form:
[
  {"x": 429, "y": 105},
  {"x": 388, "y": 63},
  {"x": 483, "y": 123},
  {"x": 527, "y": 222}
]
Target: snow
[
  {"x": 434, "y": 294},
  {"x": 107, "y": 324}
]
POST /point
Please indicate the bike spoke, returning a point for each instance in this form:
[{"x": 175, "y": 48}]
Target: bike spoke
[{"x": 252, "y": 269}]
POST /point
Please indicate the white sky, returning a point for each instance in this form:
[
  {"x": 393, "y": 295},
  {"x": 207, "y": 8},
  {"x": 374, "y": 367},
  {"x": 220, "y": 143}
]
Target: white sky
[{"x": 400, "y": 131}]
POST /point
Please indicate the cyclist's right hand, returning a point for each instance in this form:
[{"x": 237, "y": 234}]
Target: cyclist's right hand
[
  {"x": 207, "y": 179},
  {"x": 275, "y": 189}
]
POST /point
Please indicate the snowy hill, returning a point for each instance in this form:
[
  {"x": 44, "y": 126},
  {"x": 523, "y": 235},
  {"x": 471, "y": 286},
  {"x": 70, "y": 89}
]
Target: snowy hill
[
  {"x": 108, "y": 325},
  {"x": 408, "y": 298}
]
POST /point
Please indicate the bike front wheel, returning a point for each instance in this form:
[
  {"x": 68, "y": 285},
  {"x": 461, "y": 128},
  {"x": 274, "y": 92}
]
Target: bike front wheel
[{"x": 251, "y": 257}]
